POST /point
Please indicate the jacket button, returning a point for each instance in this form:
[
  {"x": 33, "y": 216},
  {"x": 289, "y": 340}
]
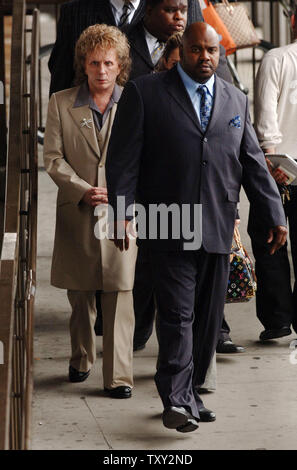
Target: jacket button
[{"x": 204, "y": 163}]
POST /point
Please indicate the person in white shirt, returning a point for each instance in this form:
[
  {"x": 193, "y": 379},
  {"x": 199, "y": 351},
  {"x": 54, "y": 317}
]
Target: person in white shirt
[{"x": 275, "y": 125}]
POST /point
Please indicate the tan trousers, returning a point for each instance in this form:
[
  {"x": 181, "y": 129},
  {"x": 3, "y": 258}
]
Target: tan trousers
[{"x": 118, "y": 330}]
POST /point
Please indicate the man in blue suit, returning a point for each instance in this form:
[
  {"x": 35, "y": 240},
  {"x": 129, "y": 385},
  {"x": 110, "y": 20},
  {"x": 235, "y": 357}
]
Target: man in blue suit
[{"x": 184, "y": 137}]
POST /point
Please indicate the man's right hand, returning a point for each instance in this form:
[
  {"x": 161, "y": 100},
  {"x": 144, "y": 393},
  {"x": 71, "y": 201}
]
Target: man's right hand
[
  {"x": 279, "y": 176},
  {"x": 95, "y": 196}
]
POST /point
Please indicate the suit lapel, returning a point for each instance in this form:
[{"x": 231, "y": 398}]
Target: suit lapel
[
  {"x": 83, "y": 119},
  {"x": 139, "y": 44},
  {"x": 176, "y": 89},
  {"x": 139, "y": 13},
  {"x": 220, "y": 98}
]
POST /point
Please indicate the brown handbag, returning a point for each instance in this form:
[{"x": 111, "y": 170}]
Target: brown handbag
[
  {"x": 236, "y": 19},
  {"x": 212, "y": 17}
]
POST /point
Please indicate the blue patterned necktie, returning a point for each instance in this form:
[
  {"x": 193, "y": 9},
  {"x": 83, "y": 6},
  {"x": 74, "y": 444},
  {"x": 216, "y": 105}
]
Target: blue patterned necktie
[{"x": 205, "y": 106}]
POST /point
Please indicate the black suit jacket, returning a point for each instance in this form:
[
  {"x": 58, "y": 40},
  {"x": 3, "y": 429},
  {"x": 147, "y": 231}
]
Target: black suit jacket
[
  {"x": 158, "y": 153},
  {"x": 141, "y": 59},
  {"x": 76, "y": 16}
]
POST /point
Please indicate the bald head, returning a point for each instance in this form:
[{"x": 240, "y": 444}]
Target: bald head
[
  {"x": 200, "y": 51},
  {"x": 200, "y": 29}
]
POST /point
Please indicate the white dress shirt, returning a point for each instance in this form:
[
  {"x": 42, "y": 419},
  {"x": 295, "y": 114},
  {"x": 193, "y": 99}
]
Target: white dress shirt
[
  {"x": 276, "y": 100},
  {"x": 151, "y": 41},
  {"x": 117, "y": 9}
]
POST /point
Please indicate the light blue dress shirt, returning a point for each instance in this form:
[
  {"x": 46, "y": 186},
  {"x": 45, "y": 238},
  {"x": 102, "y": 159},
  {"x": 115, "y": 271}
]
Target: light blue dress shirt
[{"x": 191, "y": 86}]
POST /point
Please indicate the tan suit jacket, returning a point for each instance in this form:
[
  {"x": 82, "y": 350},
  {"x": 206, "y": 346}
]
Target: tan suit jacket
[{"x": 74, "y": 157}]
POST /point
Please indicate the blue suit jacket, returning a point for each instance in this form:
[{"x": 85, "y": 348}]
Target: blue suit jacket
[{"x": 158, "y": 153}]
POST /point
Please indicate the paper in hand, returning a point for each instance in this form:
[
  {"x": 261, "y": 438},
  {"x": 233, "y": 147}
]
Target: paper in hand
[{"x": 286, "y": 164}]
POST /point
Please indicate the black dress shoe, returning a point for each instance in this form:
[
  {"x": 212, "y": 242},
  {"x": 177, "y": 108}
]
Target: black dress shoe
[
  {"x": 138, "y": 347},
  {"x": 77, "y": 376},
  {"x": 228, "y": 347},
  {"x": 177, "y": 417},
  {"x": 206, "y": 416},
  {"x": 119, "y": 392},
  {"x": 276, "y": 333}
]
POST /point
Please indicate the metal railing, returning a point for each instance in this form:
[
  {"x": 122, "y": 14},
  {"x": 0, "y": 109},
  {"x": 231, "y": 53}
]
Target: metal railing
[{"x": 18, "y": 257}]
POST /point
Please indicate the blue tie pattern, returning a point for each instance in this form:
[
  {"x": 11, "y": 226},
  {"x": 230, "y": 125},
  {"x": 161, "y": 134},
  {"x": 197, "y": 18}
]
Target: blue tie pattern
[{"x": 205, "y": 106}]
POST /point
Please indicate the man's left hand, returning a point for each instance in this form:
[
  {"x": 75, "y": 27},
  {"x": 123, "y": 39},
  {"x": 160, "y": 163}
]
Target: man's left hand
[
  {"x": 277, "y": 235},
  {"x": 123, "y": 232}
]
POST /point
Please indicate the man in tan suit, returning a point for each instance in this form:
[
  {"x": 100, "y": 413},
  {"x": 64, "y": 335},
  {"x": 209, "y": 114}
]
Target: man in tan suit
[{"x": 77, "y": 133}]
